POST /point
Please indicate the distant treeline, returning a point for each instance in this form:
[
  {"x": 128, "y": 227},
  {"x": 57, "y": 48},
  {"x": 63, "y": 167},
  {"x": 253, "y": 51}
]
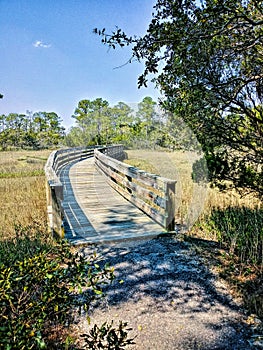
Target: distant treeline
[
  {"x": 32, "y": 130},
  {"x": 96, "y": 122}
]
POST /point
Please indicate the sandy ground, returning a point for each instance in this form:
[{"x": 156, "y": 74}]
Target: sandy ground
[{"x": 169, "y": 298}]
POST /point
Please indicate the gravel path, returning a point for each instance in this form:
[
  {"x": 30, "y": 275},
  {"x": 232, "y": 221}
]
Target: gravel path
[{"x": 169, "y": 298}]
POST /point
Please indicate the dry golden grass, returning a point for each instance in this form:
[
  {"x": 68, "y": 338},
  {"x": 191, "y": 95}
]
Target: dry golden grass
[
  {"x": 22, "y": 190},
  {"x": 190, "y": 197}
]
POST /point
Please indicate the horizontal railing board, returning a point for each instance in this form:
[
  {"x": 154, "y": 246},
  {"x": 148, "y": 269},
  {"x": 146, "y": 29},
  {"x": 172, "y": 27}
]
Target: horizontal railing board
[
  {"x": 146, "y": 208},
  {"x": 151, "y": 180},
  {"x": 65, "y": 158},
  {"x": 135, "y": 188},
  {"x": 115, "y": 151},
  {"x": 49, "y": 170},
  {"x": 151, "y": 193},
  {"x": 59, "y": 158}
]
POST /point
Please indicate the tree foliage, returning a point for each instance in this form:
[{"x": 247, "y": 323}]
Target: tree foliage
[
  {"x": 92, "y": 118},
  {"x": 147, "y": 127},
  {"x": 31, "y": 130},
  {"x": 98, "y": 123},
  {"x": 207, "y": 59}
]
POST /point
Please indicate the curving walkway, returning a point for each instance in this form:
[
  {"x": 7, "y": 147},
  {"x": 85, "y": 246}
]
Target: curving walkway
[{"x": 94, "y": 212}]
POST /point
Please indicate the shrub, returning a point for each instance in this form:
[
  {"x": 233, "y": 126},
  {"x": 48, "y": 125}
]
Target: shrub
[{"x": 43, "y": 290}]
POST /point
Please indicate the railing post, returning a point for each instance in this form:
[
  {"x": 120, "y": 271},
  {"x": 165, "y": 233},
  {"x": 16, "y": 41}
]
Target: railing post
[
  {"x": 49, "y": 205},
  {"x": 170, "y": 206},
  {"x": 56, "y": 192}
]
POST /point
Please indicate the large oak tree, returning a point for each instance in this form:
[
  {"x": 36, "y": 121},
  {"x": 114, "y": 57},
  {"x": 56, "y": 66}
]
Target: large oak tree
[{"x": 207, "y": 59}]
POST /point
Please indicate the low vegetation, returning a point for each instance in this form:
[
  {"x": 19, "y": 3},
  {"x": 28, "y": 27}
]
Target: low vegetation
[
  {"x": 22, "y": 191},
  {"x": 40, "y": 291}
]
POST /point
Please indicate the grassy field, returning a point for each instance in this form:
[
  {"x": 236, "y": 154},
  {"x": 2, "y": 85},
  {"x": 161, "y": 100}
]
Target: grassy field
[{"x": 22, "y": 191}]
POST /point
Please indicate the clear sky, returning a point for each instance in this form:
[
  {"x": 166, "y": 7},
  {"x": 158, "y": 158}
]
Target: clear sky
[{"x": 50, "y": 59}]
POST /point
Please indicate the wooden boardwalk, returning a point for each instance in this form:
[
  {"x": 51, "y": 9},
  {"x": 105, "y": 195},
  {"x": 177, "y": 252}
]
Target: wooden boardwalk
[{"x": 95, "y": 213}]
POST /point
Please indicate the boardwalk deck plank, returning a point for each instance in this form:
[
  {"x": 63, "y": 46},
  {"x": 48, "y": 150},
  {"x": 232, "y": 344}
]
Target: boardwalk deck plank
[{"x": 95, "y": 212}]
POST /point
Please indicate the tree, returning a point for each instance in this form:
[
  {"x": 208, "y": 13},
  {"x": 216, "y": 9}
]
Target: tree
[
  {"x": 33, "y": 130},
  {"x": 147, "y": 114},
  {"x": 47, "y": 129},
  {"x": 93, "y": 119},
  {"x": 207, "y": 59},
  {"x": 121, "y": 121}
]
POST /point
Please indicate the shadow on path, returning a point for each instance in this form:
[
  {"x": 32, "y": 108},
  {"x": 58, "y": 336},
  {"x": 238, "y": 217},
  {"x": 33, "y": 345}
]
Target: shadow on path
[
  {"x": 77, "y": 226},
  {"x": 168, "y": 296}
]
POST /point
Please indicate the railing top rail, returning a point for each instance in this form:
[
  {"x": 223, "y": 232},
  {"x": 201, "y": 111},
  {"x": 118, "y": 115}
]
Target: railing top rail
[
  {"x": 50, "y": 167},
  {"x": 49, "y": 170},
  {"x": 132, "y": 171}
]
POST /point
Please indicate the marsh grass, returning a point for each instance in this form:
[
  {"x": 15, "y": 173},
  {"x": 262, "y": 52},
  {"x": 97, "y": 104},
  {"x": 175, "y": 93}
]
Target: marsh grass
[
  {"x": 22, "y": 191},
  {"x": 22, "y": 163},
  {"x": 177, "y": 166},
  {"x": 222, "y": 219}
]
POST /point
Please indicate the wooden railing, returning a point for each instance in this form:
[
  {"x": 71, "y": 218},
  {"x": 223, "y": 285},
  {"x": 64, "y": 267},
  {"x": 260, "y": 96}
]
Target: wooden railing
[
  {"x": 153, "y": 194},
  {"x": 54, "y": 188},
  {"x": 115, "y": 151}
]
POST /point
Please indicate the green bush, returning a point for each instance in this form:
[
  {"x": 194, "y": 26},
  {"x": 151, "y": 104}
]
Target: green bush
[
  {"x": 41, "y": 288},
  {"x": 27, "y": 242}
]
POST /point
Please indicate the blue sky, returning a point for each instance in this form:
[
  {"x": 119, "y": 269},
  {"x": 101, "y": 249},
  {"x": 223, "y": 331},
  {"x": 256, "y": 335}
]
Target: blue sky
[{"x": 50, "y": 59}]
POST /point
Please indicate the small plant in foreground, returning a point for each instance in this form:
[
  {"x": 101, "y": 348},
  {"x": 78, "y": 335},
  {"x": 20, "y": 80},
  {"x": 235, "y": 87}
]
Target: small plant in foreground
[{"x": 108, "y": 337}]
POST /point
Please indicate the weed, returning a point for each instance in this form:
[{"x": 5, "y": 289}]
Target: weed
[
  {"x": 41, "y": 287},
  {"x": 108, "y": 337}
]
